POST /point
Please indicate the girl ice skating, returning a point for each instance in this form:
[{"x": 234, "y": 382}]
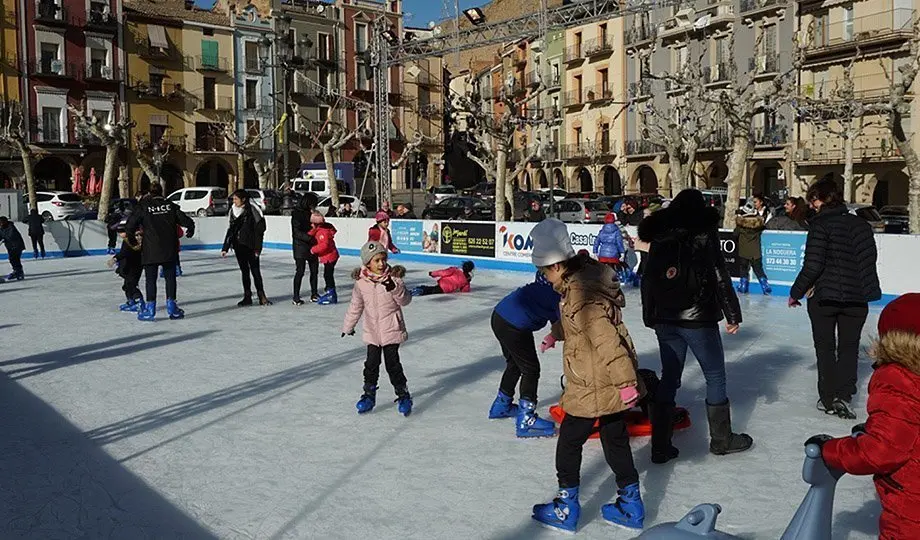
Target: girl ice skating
[
  {"x": 599, "y": 362},
  {"x": 381, "y": 232},
  {"x": 379, "y": 295},
  {"x": 327, "y": 254},
  {"x": 450, "y": 280},
  {"x": 609, "y": 247},
  {"x": 244, "y": 235},
  {"x": 129, "y": 266}
]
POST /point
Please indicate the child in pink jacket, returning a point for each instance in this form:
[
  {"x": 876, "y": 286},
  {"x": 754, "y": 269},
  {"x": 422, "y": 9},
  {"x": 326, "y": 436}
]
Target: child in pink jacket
[
  {"x": 450, "y": 280},
  {"x": 379, "y": 295}
]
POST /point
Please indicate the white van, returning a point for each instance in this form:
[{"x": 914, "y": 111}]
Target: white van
[
  {"x": 201, "y": 201},
  {"x": 312, "y": 182}
]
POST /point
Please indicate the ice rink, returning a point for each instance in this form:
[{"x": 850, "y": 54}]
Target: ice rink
[{"x": 240, "y": 423}]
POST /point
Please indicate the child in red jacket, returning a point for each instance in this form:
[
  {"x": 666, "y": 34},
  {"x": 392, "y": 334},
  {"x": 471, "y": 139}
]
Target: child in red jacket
[
  {"x": 325, "y": 250},
  {"x": 450, "y": 280},
  {"x": 887, "y": 446}
]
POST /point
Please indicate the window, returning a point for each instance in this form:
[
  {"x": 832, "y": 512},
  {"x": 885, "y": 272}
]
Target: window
[
  {"x": 602, "y": 35},
  {"x": 195, "y": 194},
  {"x": 769, "y": 43},
  {"x": 605, "y": 137},
  {"x": 49, "y": 58},
  {"x": 556, "y": 103},
  {"x": 324, "y": 46},
  {"x": 210, "y": 93},
  {"x": 722, "y": 52},
  {"x": 325, "y": 79},
  {"x": 98, "y": 60},
  {"x": 361, "y": 82},
  {"x": 209, "y": 53},
  {"x": 605, "y": 80},
  {"x": 174, "y": 197},
  {"x": 252, "y": 56},
  {"x": 98, "y": 7},
  {"x": 323, "y": 113},
  {"x": 102, "y": 117},
  {"x": 157, "y": 132},
  {"x": 578, "y": 89},
  {"x": 578, "y": 44},
  {"x": 821, "y": 30},
  {"x": 848, "y": 23},
  {"x": 156, "y": 84},
  {"x": 555, "y": 68},
  {"x": 253, "y": 128},
  {"x": 681, "y": 55},
  {"x": 360, "y": 38},
  {"x": 251, "y": 94},
  {"x": 51, "y": 124},
  {"x": 207, "y": 31},
  {"x": 578, "y": 135}
]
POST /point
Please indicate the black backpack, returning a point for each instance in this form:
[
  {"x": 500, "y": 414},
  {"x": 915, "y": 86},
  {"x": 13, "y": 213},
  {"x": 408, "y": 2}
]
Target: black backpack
[{"x": 672, "y": 278}]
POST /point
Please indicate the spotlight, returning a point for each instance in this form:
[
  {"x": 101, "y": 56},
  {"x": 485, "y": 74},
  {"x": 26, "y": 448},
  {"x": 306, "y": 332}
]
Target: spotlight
[{"x": 475, "y": 16}]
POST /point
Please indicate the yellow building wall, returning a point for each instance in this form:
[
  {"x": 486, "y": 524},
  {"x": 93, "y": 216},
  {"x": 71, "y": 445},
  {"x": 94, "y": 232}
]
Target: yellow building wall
[{"x": 9, "y": 48}]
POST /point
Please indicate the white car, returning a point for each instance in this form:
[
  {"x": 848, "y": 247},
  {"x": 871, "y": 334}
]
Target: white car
[
  {"x": 58, "y": 205},
  {"x": 558, "y": 194},
  {"x": 438, "y": 193},
  {"x": 356, "y": 205},
  {"x": 202, "y": 201}
]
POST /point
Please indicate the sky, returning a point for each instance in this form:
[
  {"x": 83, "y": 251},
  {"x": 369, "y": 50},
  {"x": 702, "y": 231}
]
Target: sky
[{"x": 431, "y": 10}]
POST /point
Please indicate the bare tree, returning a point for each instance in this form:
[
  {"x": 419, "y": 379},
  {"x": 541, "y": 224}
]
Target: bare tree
[
  {"x": 249, "y": 145},
  {"x": 151, "y": 155},
  {"x": 113, "y": 136},
  {"x": 13, "y": 134}
]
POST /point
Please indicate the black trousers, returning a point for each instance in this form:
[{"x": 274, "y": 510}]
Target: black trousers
[
  {"x": 15, "y": 260},
  {"x": 521, "y": 361},
  {"x": 390, "y": 355},
  {"x": 249, "y": 264},
  {"x": 425, "y": 290},
  {"x": 329, "y": 276},
  {"x": 38, "y": 246},
  {"x": 574, "y": 432},
  {"x": 747, "y": 264},
  {"x": 836, "y": 329},
  {"x": 113, "y": 235},
  {"x": 300, "y": 267},
  {"x": 130, "y": 285},
  {"x": 151, "y": 273}
]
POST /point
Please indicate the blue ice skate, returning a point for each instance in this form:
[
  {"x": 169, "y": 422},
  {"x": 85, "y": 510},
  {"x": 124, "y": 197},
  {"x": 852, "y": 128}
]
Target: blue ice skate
[
  {"x": 368, "y": 400},
  {"x": 765, "y": 286},
  {"x": 744, "y": 285},
  {"x": 404, "y": 404},
  {"x": 178, "y": 271},
  {"x": 131, "y": 305},
  {"x": 503, "y": 407},
  {"x": 562, "y": 513},
  {"x": 147, "y": 312},
  {"x": 627, "y": 511},
  {"x": 328, "y": 299},
  {"x": 416, "y": 291},
  {"x": 110, "y": 251},
  {"x": 529, "y": 424},
  {"x": 173, "y": 309}
]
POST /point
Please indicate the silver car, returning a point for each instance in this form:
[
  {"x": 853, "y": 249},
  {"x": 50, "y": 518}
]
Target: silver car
[{"x": 581, "y": 210}]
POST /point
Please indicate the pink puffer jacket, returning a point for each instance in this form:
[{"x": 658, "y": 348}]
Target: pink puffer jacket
[
  {"x": 451, "y": 280},
  {"x": 382, "y": 309}
]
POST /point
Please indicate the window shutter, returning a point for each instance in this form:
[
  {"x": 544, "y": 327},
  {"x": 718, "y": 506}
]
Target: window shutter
[{"x": 209, "y": 53}]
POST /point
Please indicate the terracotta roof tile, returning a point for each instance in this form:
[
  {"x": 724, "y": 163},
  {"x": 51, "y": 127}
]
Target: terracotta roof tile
[{"x": 175, "y": 9}]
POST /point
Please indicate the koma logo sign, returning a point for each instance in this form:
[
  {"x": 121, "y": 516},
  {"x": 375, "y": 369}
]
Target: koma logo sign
[{"x": 515, "y": 241}]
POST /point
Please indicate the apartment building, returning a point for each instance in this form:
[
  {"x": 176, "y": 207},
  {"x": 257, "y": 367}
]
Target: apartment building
[
  {"x": 871, "y": 37},
  {"x": 10, "y": 19}
]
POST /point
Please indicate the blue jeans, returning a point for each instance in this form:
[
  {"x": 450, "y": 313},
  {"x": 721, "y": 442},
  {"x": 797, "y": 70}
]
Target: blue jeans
[{"x": 706, "y": 344}]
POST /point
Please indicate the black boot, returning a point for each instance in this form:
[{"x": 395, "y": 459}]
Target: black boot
[
  {"x": 263, "y": 300},
  {"x": 246, "y": 301},
  {"x": 721, "y": 439},
  {"x": 662, "y": 418}
]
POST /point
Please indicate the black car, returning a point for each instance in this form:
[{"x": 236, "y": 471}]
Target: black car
[
  {"x": 896, "y": 218},
  {"x": 453, "y": 208}
]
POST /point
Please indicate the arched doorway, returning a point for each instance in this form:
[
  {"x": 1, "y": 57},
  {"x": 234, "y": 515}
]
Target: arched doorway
[
  {"x": 583, "y": 180},
  {"x": 525, "y": 181},
  {"x": 54, "y": 173},
  {"x": 891, "y": 189},
  {"x": 646, "y": 180},
  {"x": 171, "y": 177},
  {"x": 717, "y": 174},
  {"x": 215, "y": 173},
  {"x": 558, "y": 178},
  {"x": 770, "y": 180},
  {"x": 541, "y": 178},
  {"x": 612, "y": 184}
]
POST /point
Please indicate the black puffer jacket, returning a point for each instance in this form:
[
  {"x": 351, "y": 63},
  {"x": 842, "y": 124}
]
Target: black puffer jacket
[
  {"x": 247, "y": 230},
  {"x": 715, "y": 296},
  {"x": 159, "y": 218},
  {"x": 840, "y": 258},
  {"x": 302, "y": 240},
  {"x": 36, "y": 225}
]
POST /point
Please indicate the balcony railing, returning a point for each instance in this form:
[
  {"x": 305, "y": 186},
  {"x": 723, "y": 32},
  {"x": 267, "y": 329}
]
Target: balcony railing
[
  {"x": 748, "y": 6},
  {"x": 49, "y": 12},
  {"x": 717, "y": 73},
  {"x": 533, "y": 78},
  {"x": 100, "y": 21},
  {"x": 253, "y": 65},
  {"x": 259, "y": 104},
  {"x": 208, "y": 63},
  {"x": 774, "y": 136},
  {"x": 54, "y": 68},
  {"x": 894, "y": 24},
  {"x": 640, "y": 89},
  {"x": 641, "y": 147},
  {"x": 574, "y": 97},
  {"x": 327, "y": 58},
  {"x": 210, "y": 143},
  {"x": 573, "y": 53},
  {"x": 214, "y": 103},
  {"x": 552, "y": 80},
  {"x": 640, "y": 34},
  {"x": 719, "y": 140},
  {"x": 167, "y": 91},
  {"x": 600, "y": 92},
  {"x": 51, "y": 136},
  {"x": 763, "y": 65},
  {"x": 427, "y": 79},
  {"x": 865, "y": 87},
  {"x": 99, "y": 72},
  {"x": 597, "y": 46},
  {"x": 145, "y": 50},
  {"x": 832, "y": 151}
]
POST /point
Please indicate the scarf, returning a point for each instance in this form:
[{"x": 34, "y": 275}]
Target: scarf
[
  {"x": 375, "y": 278},
  {"x": 237, "y": 211}
]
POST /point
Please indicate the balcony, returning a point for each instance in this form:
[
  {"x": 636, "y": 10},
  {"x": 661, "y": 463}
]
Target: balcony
[
  {"x": 721, "y": 13},
  {"x": 865, "y": 149},
  {"x": 325, "y": 58},
  {"x": 598, "y": 93},
  {"x": 98, "y": 21},
  {"x": 53, "y": 135},
  {"x": 208, "y": 63},
  {"x": 519, "y": 58},
  {"x": 551, "y": 153},
  {"x": 552, "y": 81},
  {"x": 148, "y": 52},
  {"x": 764, "y": 65},
  {"x": 598, "y": 47},
  {"x": 770, "y": 137},
  {"x": 641, "y": 147},
  {"x": 755, "y": 9},
  {"x": 640, "y": 90},
  {"x": 639, "y": 35},
  {"x": 430, "y": 111},
  {"x": 213, "y": 104},
  {"x": 48, "y": 13},
  {"x": 162, "y": 91},
  {"x": 719, "y": 141},
  {"x": 53, "y": 68},
  {"x": 532, "y": 79},
  {"x": 887, "y": 28},
  {"x": 867, "y": 88},
  {"x": 259, "y": 104},
  {"x": 210, "y": 143},
  {"x": 574, "y": 98},
  {"x": 717, "y": 74},
  {"x": 573, "y": 54},
  {"x": 102, "y": 73}
]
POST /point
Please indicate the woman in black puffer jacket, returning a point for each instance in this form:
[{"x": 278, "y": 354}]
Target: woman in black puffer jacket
[
  {"x": 840, "y": 279},
  {"x": 686, "y": 292},
  {"x": 244, "y": 235}
]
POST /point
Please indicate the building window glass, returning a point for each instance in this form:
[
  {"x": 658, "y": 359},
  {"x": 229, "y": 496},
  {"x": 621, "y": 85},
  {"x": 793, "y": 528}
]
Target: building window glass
[
  {"x": 251, "y": 94},
  {"x": 156, "y": 84},
  {"x": 210, "y": 93},
  {"x": 361, "y": 81},
  {"x": 51, "y": 124},
  {"x": 157, "y": 132},
  {"x": 252, "y": 56},
  {"x": 49, "y": 58},
  {"x": 360, "y": 38}
]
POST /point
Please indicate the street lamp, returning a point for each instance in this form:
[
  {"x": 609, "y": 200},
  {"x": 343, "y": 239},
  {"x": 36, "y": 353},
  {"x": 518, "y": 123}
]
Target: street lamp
[{"x": 283, "y": 55}]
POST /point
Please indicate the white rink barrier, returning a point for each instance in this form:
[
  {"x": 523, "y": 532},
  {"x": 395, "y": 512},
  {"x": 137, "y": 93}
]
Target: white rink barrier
[{"x": 501, "y": 246}]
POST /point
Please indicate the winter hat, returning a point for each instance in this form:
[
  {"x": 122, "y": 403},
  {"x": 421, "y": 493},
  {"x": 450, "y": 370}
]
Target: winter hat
[
  {"x": 610, "y": 218},
  {"x": 370, "y": 250},
  {"x": 381, "y": 216},
  {"x": 468, "y": 266},
  {"x": 317, "y": 218},
  {"x": 551, "y": 243},
  {"x": 902, "y": 315}
]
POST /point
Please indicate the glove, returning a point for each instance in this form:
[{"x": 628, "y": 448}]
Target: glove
[
  {"x": 348, "y": 333},
  {"x": 793, "y": 302},
  {"x": 858, "y": 429},
  {"x": 629, "y": 395},
  {"x": 189, "y": 232},
  {"x": 549, "y": 342},
  {"x": 818, "y": 439},
  {"x": 389, "y": 284}
]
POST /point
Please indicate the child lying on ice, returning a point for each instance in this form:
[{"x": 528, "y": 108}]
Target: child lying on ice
[{"x": 450, "y": 280}]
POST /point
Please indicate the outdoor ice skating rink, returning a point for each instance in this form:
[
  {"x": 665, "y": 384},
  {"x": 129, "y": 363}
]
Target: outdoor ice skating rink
[{"x": 240, "y": 423}]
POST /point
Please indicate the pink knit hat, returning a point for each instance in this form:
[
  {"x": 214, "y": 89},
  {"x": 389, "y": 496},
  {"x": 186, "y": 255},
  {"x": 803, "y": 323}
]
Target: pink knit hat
[
  {"x": 381, "y": 216},
  {"x": 317, "y": 219}
]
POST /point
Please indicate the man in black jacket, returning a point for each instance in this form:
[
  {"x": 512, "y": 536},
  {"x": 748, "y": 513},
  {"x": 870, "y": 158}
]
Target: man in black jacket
[
  {"x": 10, "y": 237},
  {"x": 159, "y": 219},
  {"x": 839, "y": 277},
  {"x": 303, "y": 242}
]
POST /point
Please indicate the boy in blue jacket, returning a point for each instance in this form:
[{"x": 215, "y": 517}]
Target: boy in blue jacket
[
  {"x": 514, "y": 321},
  {"x": 610, "y": 249}
]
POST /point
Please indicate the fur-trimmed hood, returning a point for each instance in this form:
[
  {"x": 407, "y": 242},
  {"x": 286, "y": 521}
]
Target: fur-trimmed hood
[
  {"x": 397, "y": 271},
  {"x": 898, "y": 347},
  {"x": 749, "y": 222},
  {"x": 667, "y": 222}
]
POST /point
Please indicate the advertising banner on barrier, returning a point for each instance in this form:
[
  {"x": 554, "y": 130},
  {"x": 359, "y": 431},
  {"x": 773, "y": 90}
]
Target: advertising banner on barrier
[
  {"x": 730, "y": 252},
  {"x": 583, "y": 236},
  {"x": 408, "y": 235},
  {"x": 783, "y": 255},
  {"x": 431, "y": 236},
  {"x": 513, "y": 242},
  {"x": 468, "y": 238}
]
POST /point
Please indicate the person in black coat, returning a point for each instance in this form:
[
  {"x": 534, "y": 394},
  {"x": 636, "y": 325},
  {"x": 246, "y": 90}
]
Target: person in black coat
[
  {"x": 159, "y": 220},
  {"x": 36, "y": 233},
  {"x": 244, "y": 236},
  {"x": 839, "y": 277},
  {"x": 129, "y": 265},
  {"x": 303, "y": 242},
  {"x": 10, "y": 237},
  {"x": 686, "y": 292},
  {"x": 534, "y": 212}
]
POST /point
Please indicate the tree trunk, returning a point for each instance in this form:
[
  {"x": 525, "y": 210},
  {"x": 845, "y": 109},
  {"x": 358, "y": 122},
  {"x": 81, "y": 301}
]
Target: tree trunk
[
  {"x": 264, "y": 172},
  {"x": 501, "y": 179},
  {"x": 330, "y": 172},
  {"x": 737, "y": 162},
  {"x": 28, "y": 168},
  {"x": 849, "y": 186},
  {"x": 123, "y": 187},
  {"x": 675, "y": 177},
  {"x": 902, "y": 141},
  {"x": 108, "y": 179}
]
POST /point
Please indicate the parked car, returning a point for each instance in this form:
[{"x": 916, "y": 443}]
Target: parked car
[
  {"x": 715, "y": 197},
  {"x": 317, "y": 183},
  {"x": 522, "y": 201},
  {"x": 202, "y": 201},
  {"x": 558, "y": 194},
  {"x": 438, "y": 193},
  {"x": 870, "y": 214},
  {"x": 58, "y": 205},
  {"x": 581, "y": 210},
  {"x": 356, "y": 205},
  {"x": 269, "y": 200},
  {"x": 896, "y": 218},
  {"x": 452, "y": 208},
  {"x": 482, "y": 190},
  {"x": 584, "y": 195}
]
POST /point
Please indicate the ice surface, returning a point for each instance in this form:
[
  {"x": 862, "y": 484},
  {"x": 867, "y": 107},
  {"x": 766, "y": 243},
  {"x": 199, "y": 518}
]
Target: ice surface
[{"x": 240, "y": 423}]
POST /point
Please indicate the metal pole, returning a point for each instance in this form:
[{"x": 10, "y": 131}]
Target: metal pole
[{"x": 284, "y": 127}]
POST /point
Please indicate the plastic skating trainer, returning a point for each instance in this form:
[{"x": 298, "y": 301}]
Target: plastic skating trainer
[{"x": 637, "y": 423}]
